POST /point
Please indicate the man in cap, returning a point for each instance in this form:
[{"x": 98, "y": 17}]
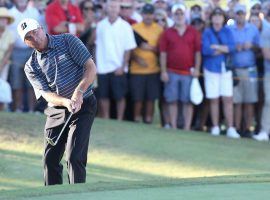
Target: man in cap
[
  {"x": 180, "y": 48},
  {"x": 61, "y": 71},
  {"x": 245, "y": 94},
  {"x": 144, "y": 69}
]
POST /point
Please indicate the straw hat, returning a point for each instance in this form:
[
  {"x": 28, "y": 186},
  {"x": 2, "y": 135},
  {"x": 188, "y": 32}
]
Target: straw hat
[{"x": 4, "y": 14}]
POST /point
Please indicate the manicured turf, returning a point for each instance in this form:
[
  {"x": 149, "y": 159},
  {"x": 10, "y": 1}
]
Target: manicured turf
[{"x": 136, "y": 161}]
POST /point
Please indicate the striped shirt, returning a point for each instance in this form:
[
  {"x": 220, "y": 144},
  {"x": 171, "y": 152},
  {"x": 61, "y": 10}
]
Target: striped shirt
[{"x": 60, "y": 68}]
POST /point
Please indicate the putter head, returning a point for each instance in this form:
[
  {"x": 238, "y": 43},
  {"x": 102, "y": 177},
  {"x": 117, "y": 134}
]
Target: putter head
[{"x": 50, "y": 141}]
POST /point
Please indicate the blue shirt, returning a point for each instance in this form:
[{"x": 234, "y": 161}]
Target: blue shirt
[
  {"x": 249, "y": 33},
  {"x": 213, "y": 62},
  {"x": 60, "y": 68}
]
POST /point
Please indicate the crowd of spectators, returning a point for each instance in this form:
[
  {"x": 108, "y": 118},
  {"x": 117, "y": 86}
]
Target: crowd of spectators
[{"x": 148, "y": 52}]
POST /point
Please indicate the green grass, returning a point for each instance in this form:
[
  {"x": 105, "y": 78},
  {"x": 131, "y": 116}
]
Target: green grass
[{"x": 135, "y": 161}]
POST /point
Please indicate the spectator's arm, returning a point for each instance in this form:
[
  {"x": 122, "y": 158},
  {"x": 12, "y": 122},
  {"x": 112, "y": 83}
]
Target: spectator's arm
[
  {"x": 198, "y": 62},
  {"x": 265, "y": 44},
  {"x": 6, "y": 57},
  {"x": 126, "y": 59},
  {"x": 163, "y": 61},
  {"x": 206, "y": 44},
  {"x": 148, "y": 47},
  {"x": 80, "y": 27},
  {"x": 266, "y": 53}
]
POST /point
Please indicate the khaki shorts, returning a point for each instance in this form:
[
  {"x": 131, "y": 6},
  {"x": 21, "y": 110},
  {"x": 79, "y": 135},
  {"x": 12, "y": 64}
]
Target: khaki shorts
[{"x": 246, "y": 91}]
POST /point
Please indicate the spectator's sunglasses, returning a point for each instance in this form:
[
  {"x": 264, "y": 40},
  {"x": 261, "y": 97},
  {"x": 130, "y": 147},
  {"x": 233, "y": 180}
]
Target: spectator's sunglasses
[
  {"x": 160, "y": 20},
  {"x": 87, "y": 8},
  {"x": 125, "y": 7}
]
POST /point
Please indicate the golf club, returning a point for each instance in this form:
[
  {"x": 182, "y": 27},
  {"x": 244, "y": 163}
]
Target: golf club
[{"x": 50, "y": 140}]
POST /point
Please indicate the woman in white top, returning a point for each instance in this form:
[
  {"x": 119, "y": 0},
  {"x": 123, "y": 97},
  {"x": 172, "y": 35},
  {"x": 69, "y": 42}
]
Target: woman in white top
[{"x": 6, "y": 41}]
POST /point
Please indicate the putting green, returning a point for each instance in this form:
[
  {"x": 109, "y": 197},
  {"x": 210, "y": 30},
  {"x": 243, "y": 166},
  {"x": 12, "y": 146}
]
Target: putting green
[{"x": 136, "y": 161}]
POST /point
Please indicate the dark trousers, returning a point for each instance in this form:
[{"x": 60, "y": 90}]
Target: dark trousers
[{"x": 74, "y": 141}]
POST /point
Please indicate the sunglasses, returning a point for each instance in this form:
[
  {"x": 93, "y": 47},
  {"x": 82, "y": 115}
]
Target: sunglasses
[
  {"x": 240, "y": 13},
  {"x": 125, "y": 7},
  {"x": 160, "y": 20},
  {"x": 88, "y": 8}
]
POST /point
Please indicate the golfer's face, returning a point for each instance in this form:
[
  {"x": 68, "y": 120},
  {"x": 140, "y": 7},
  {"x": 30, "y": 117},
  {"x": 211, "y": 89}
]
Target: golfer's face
[{"x": 35, "y": 38}]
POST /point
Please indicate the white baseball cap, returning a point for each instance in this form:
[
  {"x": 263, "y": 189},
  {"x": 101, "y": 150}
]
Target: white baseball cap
[
  {"x": 178, "y": 6},
  {"x": 27, "y": 25}
]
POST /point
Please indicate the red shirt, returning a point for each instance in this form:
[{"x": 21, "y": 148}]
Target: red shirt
[
  {"x": 55, "y": 14},
  {"x": 180, "y": 49}
]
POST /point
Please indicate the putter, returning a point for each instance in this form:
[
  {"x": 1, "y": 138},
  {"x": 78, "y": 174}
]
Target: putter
[{"x": 50, "y": 140}]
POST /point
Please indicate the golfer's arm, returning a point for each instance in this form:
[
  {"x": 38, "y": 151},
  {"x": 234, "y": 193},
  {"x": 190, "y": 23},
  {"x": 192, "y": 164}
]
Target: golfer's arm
[
  {"x": 54, "y": 99},
  {"x": 88, "y": 76}
]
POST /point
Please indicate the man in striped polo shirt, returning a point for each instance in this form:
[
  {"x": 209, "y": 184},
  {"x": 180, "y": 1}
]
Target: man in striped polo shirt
[{"x": 61, "y": 70}]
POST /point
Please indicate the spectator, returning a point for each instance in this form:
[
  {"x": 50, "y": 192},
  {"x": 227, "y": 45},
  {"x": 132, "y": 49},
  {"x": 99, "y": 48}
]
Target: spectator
[
  {"x": 255, "y": 7},
  {"x": 207, "y": 10},
  {"x": 137, "y": 6},
  {"x": 195, "y": 12},
  {"x": 99, "y": 12},
  {"x": 257, "y": 21},
  {"x": 163, "y": 5},
  {"x": 41, "y": 6},
  {"x": 161, "y": 20},
  {"x": 230, "y": 10},
  {"x": 64, "y": 17},
  {"x": 176, "y": 65},
  {"x": 5, "y": 3},
  {"x": 6, "y": 40},
  {"x": 144, "y": 69},
  {"x": 245, "y": 93},
  {"x": 87, "y": 36},
  {"x": 263, "y": 135},
  {"x": 217, "y": 44},
  {"x": 19, "y": 56},
  {"x": 202, "y": 110},
  {"x": 215, "y": 3},
  {"x": 114, "y": 41},
  {"x": 126, "y": 11}
]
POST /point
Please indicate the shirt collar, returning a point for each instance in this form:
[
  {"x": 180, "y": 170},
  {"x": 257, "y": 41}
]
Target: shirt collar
[{"x": 51, "y": 44}]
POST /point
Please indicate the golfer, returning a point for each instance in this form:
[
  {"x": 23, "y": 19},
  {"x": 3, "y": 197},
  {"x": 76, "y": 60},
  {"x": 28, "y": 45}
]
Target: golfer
[{"x": 61, "y": 71}]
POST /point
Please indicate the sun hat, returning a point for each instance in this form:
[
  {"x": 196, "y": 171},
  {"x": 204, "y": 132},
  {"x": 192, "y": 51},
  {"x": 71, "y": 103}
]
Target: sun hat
[{"x": 5, "y": 14}]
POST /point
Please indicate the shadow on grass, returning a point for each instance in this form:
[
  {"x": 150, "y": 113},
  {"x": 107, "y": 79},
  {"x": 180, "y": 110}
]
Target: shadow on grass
[{"x": 22, "y": 170}]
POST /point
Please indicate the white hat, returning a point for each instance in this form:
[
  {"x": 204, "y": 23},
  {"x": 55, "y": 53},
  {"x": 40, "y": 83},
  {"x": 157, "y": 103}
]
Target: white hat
[
  {"x": 179, "y": 6},
  {"x": 27, "y": 25},
  {"x": 240, "y": 7},
  {"x": 255, "y": 2},
  {"x": 5, "y": 14}
]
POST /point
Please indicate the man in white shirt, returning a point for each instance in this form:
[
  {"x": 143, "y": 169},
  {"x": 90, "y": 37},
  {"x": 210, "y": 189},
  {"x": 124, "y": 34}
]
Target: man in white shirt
[{"x": 114, "y": 40}]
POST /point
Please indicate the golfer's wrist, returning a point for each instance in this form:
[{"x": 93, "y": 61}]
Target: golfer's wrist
[{"x": 80, "y": 91}]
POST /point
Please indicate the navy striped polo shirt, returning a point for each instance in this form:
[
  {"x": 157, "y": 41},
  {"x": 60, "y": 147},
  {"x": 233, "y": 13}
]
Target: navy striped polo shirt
[{"x": 60, "y": 68}]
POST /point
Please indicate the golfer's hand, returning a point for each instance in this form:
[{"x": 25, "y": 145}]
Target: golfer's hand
[
  {"x": 77, "y": 100},
  {"x": 68, "y": 104}
]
